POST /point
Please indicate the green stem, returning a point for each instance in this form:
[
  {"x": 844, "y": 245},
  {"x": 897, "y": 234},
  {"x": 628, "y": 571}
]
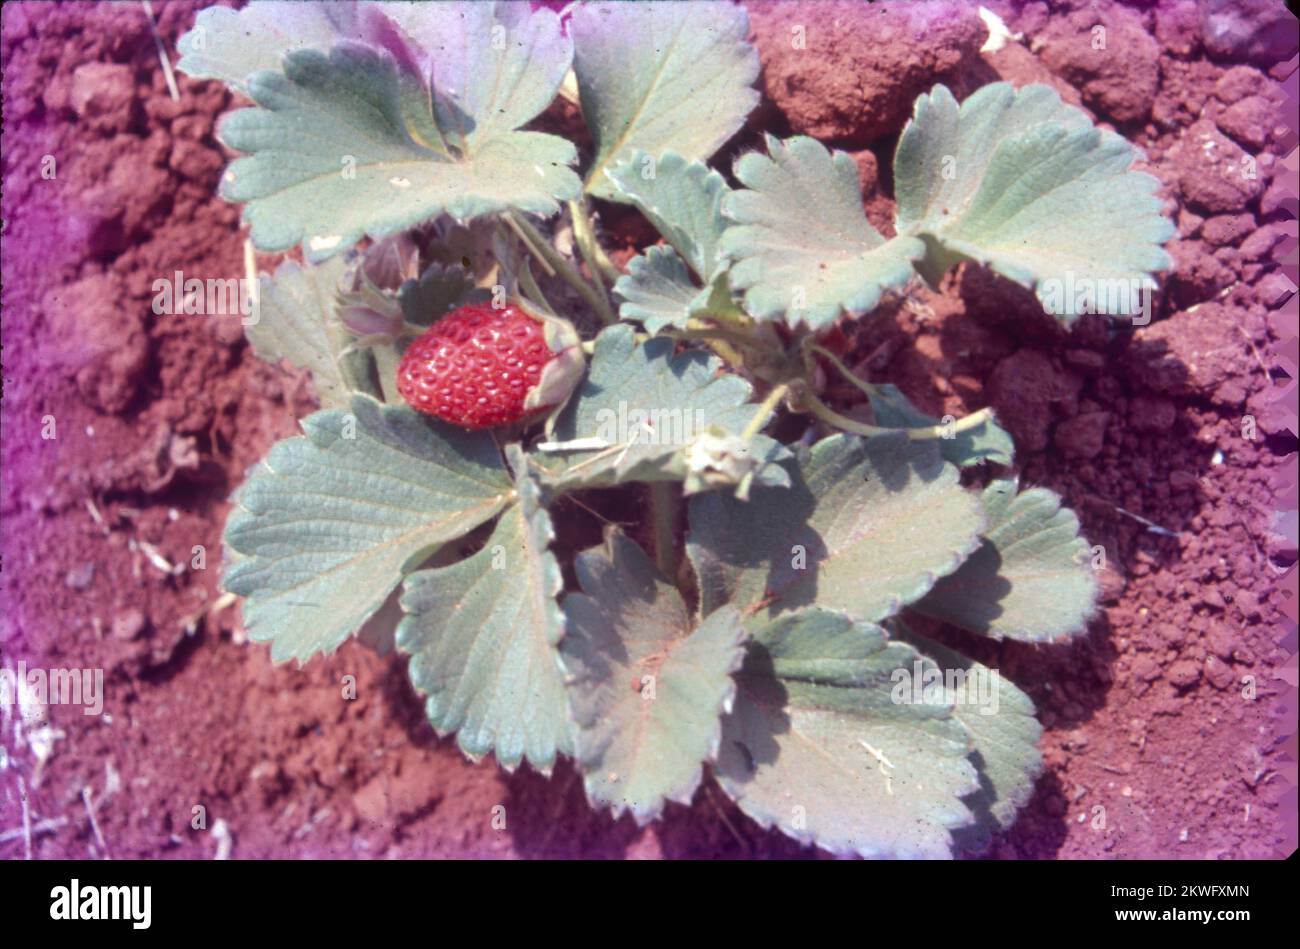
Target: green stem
[
  {"x": 718, "y": 342},
  {"x": 542, "y": 249},
  {"x": 663, "y": 508},
  {"x": 765, "y": 411},
  {"x": 831, "y": 417},
  {"x": 537, "y": 248},
  {"x": 387, "y": 359},
  {"x": 730, "y": 355},
  {"x": 866, "y": 387},
  {"x": 721, "y": 339},
  {"x": 585, "y": 234},
  {"x": 530, "y": 287},
  {"x": 696, "y": 330}
]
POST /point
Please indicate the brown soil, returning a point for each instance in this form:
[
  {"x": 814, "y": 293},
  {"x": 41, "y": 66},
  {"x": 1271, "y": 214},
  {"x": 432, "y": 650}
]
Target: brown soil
[{"x": 157, "y": 418}]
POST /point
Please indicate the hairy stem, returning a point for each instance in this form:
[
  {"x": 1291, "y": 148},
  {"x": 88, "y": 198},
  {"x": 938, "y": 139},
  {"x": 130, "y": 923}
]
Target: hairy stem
[
  {"x": 765, "y": 411},
  {"x": 696, "y": 329},
  {"x": 585, "y": 234},
  {"x": 866, "y": 387},
  {"x": 843, "y": 422},
  {"x": 541, "y": 248},
  {"x": 720, "y": 339},
  {"x": 585, "y": 237},
  {"x": 537, "y": 248},
  {"x": 387, "y": 359},
  {"x": 529, "y": 285},
  {"x": 663, "y": 509},
  {"x": 728, "y": 353}
]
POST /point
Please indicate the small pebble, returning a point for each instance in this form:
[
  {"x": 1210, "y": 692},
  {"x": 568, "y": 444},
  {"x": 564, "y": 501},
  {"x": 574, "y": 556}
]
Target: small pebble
[
  {"x": 79, "y": 578},
  {"x": 129, "y": 625}
]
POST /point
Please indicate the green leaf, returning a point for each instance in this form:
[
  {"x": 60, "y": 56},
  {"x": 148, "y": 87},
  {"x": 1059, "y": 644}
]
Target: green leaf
[
  {"x": 1000, "y": 720},
  {"x": 818, "y": 747},
  {"x": 1029, "y": 580},
  {"x": 380, "y": 631},
  {"x": 495, "y": 65},
  {"x": 482, "y": 636},
  {"x": 986, "y": 442},
  {"x": 1019, "y": 181},
  {"x": 296, "y": 322},
  {"x": 327, "y": 524},
  {"x": 683, "y": 200},
  {"x": 657, "y": 290},
  {"x": 647, "y": 686},
  {"x": 867, "y": 527},
  {"x": 647, "y": 407},
  {"x": 437, "y": 291},
  {"x": 660, "y": 77},
  {"x": 231, "y": 45},
  {"x": 334, "y": 154},
  {"x": 803, "y": 249}
]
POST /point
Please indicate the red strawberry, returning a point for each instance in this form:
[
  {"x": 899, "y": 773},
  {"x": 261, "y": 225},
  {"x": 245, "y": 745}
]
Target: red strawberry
[{"x": 479, "y": 367}]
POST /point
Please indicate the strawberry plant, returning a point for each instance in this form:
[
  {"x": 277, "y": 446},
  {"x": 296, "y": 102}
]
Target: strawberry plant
[{"x": 480, "y": 360}]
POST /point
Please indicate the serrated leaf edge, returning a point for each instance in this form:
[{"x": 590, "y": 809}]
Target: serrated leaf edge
[{"x": 686, "y": 792}]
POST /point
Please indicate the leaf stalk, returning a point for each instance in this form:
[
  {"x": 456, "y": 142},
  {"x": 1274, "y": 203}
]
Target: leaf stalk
[
  {"x": 541, "y": 248},
  {"x": 765, "y": 411},
  {"x": 843, "y": 422},
  {"x": 585, "y": 234},
  {"x": 663, "y": 509},
  {"x": 862, "y": 385}
]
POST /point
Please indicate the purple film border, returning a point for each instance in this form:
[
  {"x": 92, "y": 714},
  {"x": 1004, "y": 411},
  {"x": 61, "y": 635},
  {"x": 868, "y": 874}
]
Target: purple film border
[{"x": 1284, "y": 356}]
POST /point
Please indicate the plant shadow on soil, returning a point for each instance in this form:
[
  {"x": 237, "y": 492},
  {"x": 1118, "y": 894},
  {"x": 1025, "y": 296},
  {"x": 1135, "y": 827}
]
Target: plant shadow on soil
[{"x": 548, "y": 816}]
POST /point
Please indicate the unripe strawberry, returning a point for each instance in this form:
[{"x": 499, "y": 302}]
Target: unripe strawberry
[{"x": 480, "y": 367}]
